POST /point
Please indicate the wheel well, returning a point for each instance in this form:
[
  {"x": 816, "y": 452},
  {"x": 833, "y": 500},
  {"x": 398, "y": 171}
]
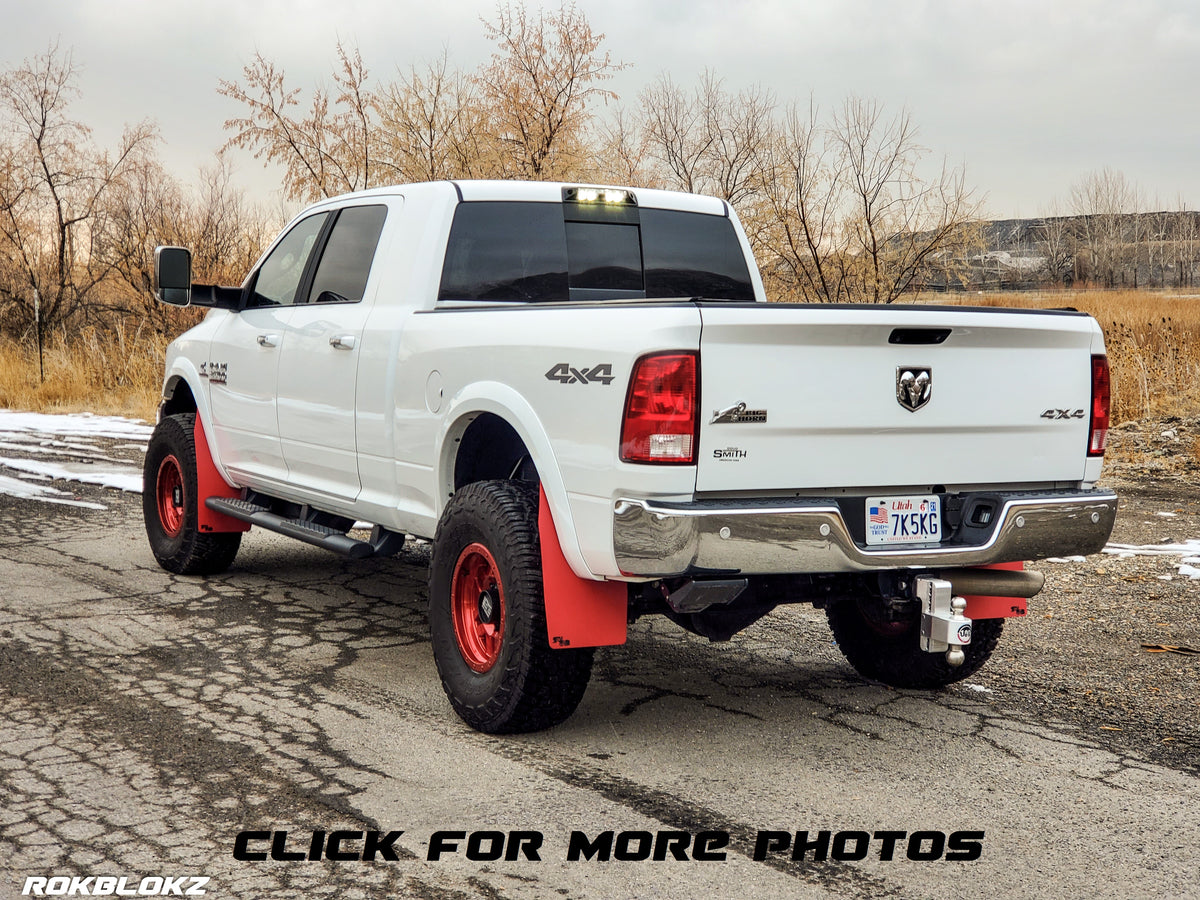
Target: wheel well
[
  {"x": 490, "y": 448},
  {"x": 179, "y": 400}
]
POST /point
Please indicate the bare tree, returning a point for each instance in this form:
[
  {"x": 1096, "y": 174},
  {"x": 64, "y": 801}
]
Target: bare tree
[
  {"x": 432, "y": 125},
  {"x": 804, "y": 248},
  {"x": 327, "y": 152},
  {"x": 1186, "y": 227},
  {"x": 709, "y": 141},
  {"x": 853, "y": 217},
  {"x": 621, "y": 155},
  {"x": 539, "y": 87},
  {"x": 1104, "y": 200},
  {"x": 1054, "y": 238},
  {"x": 149, "y": 208},
  {"x": 53, "y": 187},
  {"x": 676, "y": 134}
]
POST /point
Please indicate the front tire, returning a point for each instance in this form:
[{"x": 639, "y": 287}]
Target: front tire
[
  {"x": 487, "y": 616},
  {"x": 170, "y": 504},
  {"x": 890, "y": 651}
]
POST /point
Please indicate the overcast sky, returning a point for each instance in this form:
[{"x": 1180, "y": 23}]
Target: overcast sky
[{"x": 1031, "y": 96}]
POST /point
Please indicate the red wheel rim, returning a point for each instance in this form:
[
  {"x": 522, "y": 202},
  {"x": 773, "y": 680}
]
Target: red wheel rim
[
  {"x": 168, "y": 490},
  {"x": 477, "y": 607}
]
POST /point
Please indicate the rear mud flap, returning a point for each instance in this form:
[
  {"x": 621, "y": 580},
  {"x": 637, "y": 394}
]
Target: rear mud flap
[
  {"x": 579, "y": 612},
  {"x": 997, "y": 607}
]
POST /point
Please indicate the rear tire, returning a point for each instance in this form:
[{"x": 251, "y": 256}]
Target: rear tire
[
  {"x": 487, "y": 616},
  {"x": 891, "y": 651},
  {"x": 170, "y": 504}
]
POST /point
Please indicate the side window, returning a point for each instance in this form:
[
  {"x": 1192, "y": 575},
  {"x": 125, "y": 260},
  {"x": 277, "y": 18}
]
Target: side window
[
  {"x": 503, "y": 251},
  {"x": 341, "y": 275},
  {"x": 280, "y": 273}
]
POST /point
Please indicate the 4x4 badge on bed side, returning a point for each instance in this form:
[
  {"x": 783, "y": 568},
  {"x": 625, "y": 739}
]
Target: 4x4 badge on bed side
[{"x": 567, "y": 374}]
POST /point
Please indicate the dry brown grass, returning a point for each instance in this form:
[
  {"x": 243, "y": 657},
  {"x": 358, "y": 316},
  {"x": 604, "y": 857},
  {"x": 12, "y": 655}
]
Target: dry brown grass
[
  {"x": 1153, "y": 341},
  {"x": 117, "y": 373}
]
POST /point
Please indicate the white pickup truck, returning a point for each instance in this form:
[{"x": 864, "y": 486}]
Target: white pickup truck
[{"x": 580, "y": 395}]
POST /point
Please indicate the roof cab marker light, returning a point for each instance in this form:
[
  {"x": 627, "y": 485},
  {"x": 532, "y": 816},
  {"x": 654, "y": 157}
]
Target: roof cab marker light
[
  {"x": 1101, "y": 406},
  {"x": 608, "y": 196}
]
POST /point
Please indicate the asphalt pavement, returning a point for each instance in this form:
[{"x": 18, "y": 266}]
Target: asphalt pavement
[{"x": 148, "y": 720}]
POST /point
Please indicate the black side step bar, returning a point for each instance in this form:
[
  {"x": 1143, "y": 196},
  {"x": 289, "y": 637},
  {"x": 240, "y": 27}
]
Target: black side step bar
[{"x": 309, "y": 532}]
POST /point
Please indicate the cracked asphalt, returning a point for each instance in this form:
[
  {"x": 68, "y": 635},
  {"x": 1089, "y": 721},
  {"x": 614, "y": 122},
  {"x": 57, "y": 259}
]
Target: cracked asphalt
[{"x": 146, "y": 719}]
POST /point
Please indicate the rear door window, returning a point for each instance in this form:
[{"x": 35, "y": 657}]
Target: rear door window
[
  {"x": 341, "y": 275},
  {"x": 504, "y": 252}
]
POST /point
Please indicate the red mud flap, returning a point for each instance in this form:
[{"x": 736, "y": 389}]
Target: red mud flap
[
  {"x": 579, "y": 612},
  {"x": 997, "y": 607},
  {"x": 209, "y": 483}
]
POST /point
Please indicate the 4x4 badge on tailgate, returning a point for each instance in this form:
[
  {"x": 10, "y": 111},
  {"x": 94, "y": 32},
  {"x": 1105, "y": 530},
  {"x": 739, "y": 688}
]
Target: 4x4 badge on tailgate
[{"x": 914, "y": 386}]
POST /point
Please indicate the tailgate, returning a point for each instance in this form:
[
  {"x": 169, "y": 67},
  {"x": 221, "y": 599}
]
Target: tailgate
[{"x": 825, "y": 381}]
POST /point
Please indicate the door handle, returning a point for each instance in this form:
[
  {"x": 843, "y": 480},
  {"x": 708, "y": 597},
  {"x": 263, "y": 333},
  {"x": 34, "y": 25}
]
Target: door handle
[
  {"x": 268, "y": 340},
  {"x": 342, "y": 342}
]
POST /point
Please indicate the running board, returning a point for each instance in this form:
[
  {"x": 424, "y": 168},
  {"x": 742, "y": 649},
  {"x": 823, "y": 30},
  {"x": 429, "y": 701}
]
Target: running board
[{"x": 300, "y": 529}]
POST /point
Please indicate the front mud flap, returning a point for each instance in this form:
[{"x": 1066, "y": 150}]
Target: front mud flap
[
  {"x": 579, "y": 612},
  {"x": 209, "y": 483}
]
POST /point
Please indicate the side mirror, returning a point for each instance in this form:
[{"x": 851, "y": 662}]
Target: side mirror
[{"x": 173, "y": 275}]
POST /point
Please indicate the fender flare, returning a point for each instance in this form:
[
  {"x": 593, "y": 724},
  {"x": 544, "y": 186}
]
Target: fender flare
[
  {"x": 183, "y": 370},
  {"x": 502, "y": 401}
]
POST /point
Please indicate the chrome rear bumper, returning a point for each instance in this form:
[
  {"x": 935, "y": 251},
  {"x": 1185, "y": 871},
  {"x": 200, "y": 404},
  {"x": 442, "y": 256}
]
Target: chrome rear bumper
[{"x": 653, "y": 539}]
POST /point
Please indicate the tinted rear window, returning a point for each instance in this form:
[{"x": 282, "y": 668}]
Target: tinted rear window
[
  {"x": 693, "y": 255},
  {"x": 504, "y": 251},
  {"x": 346, "y": 262}
]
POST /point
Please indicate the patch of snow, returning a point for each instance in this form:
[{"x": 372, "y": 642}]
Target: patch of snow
[
  {"x": 1167, "y": 515},
  {"x": 1067, "y": 559},
  {"x": 15, "y": 487},
  {"x": 979, "y": 688},
  {"x": 123, "y": 478},
  {"x": 46, "y": 449},
  {"x": 1190, "y": 546},
  {"x": 1189, "y": 551},
  {"x": 75, "y": 425},
  {"x": 70, "y": 442}
]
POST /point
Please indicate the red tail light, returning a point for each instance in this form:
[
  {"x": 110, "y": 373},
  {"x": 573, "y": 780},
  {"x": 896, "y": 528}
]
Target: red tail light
[
  {"x": 1101, "y": 402},
  {"x": 662, "y": 411}
]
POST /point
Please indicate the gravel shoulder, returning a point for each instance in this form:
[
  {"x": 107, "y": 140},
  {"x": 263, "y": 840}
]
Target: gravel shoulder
[{"x": 1079, "y": 658}]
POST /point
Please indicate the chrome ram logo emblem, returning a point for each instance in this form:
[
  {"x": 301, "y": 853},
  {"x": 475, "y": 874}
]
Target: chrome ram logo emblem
[{"x": 914, "y": 386}]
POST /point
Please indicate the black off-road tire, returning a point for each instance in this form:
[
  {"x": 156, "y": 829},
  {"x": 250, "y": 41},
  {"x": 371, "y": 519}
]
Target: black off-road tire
[
  {"x": 892, "y": 653},
  {"x": 498, "y": 668},
  {"x": 171, "y": 521}
]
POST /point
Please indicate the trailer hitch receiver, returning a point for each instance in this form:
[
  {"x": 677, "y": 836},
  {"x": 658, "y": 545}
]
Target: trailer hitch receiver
[{"x": 944, "y": 628}]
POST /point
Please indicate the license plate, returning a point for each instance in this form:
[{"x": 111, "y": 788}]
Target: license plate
[{"x": 904, "y": 520}]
